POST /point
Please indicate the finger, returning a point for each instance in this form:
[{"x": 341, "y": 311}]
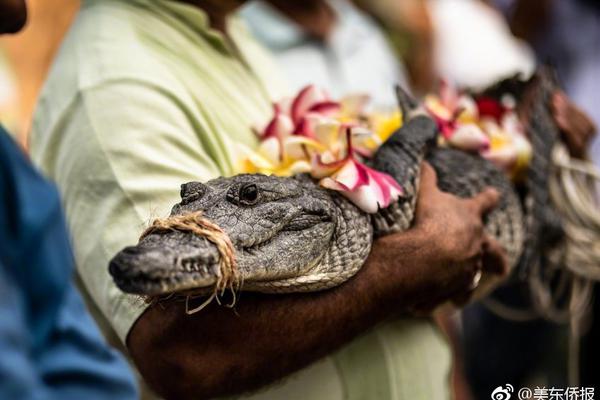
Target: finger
[
  {"x": 584, "y": 126},
  {"x": 428, "y": 177},
  {"x": 559, "y": 101},
  {"x": 485, "y": 201},
  {"x": 494, "y": 258},
  {"x": 562, "y": 122}
]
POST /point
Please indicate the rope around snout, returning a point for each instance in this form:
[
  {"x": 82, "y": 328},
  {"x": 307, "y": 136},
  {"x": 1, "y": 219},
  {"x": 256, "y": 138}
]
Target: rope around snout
[{"x": 228, "y": 277}]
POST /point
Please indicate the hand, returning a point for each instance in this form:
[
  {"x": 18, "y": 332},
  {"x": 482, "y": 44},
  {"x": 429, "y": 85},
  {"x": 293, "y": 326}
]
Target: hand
[
  {"x": 575, "y": 125},
  {"x": 452, "y": 243}
]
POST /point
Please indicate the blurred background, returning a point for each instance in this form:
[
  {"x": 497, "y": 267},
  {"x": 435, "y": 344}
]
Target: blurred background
[{"x": 493, "y": 37}]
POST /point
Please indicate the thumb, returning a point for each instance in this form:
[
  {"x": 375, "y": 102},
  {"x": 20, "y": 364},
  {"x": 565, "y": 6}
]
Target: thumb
[
  {"x": 428, "y": 180},
  {"x": 485, "y": 201}
]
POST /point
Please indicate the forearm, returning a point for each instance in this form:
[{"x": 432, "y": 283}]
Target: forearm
[{"x": 219, "y": 351}]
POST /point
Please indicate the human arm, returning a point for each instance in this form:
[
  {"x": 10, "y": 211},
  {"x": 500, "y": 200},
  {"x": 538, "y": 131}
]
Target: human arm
[{"x": 219, "y": 351}]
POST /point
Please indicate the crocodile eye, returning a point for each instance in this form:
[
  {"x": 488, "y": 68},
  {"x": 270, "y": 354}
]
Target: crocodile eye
[{"x": 249, "y": 194}]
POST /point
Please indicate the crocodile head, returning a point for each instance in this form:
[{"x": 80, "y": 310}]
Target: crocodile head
[{"x": 279, "y": 228}]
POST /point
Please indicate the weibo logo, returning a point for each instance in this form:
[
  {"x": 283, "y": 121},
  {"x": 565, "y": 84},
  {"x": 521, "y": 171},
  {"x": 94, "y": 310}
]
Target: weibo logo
[{"x": 503, "y": 392}]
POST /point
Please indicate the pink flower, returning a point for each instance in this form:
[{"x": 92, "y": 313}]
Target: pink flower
[
  {"x": 279, "y": 127},
  {"x": 315, "y": 100},
  {"x": 311, "y": 127},
  {"x": 456, "y": 116},
  {"x": 367, "y": 188},
  {"x": 469, "y": 137},
  {"x": 504, "y": 157},
  {"x": 300, "y": 115}
]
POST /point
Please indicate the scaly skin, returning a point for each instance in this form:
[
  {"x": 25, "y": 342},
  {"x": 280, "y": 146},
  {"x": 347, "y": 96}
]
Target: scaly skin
[
  {"x": 290, "y": 235},
  {"x": 281, "y": 228}
]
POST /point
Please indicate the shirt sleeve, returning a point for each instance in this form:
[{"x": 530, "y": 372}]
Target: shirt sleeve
[{"x": 119, "y": 154}]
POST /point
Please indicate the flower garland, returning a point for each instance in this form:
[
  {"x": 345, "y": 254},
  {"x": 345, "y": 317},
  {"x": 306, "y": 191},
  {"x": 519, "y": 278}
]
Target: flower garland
[
  {"x": 328, "y": 139},
  {"x": 483, "y": 125},
  {"x": 313, "y": 134}
]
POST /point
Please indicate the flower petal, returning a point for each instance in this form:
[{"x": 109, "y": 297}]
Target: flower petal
[
  {"x": 448, "y": 95},
  {"x": 325, "y": 164},
  {"x": 330, "y": 183},
  {"x": 352, "y": 175},
  {"x": 280, "y": 126},
  {"x": 489, "y": 107},
  {"x": 435, "y": 107},
  {"x": 299, "y": 167},
  {"x": 270, "y": 149},
  {"x": 326, "y": 108},
  {"x": 301, "y": 147},
  {"x": 390, "y": 189},
  {"x": 355, "y": 104},
  {"x": 308, "y": 97},
  {"x": 327, "y": 132},
  {"x": 364, "y": 198},
  {"x": 308, "y": 124},
  {"x": 385, "y": 124},
  {"x": 284, "y": 106},
  {"x": 469, "y": 109},
  {"x": 511, "y": 123},
  {"x": 504, "y": 157},
  {"x": 365, "y": 187},
  {"x": 259, "y": 161},
  {"x": 469, "y": 137}
]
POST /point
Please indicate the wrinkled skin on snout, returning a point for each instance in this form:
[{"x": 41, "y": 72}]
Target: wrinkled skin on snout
[{"x": 279, "y": 227}]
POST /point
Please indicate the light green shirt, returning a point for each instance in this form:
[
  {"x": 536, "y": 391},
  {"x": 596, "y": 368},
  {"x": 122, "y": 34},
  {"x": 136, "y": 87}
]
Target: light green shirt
[{"x": 144, "y": 96}]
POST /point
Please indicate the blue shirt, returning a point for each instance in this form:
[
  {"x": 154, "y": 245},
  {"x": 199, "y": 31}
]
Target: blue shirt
[{"x": 49, "y": 346}]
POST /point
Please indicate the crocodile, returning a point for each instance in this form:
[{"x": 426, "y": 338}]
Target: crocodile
[{"x": 288, "y": 234}]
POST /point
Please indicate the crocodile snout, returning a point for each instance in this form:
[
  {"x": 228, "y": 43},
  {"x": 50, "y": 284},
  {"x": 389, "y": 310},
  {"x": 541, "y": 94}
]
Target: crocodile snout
[{"x": 164, "y": 262}]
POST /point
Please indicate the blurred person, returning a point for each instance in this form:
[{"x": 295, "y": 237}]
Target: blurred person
[
  {"x": 409, "y": 28},
  {"x": 147, "y": 94},
  {"x": 49, "y": 346},
  {"x": 473, "y": 45},
  {"x": 566, "y": 35},
  {"x": 329, "y": 43}
]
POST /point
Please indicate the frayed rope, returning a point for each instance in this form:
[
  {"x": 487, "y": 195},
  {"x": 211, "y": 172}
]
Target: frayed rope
[{"x": 228, "y": 277}]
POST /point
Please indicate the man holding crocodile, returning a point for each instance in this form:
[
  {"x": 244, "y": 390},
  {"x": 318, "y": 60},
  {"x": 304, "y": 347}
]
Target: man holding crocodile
[{"x": 156, "y": 97}]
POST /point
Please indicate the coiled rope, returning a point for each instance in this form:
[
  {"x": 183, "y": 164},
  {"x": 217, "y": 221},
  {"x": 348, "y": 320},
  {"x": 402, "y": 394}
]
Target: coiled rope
[{"x": 574, "y": 266}]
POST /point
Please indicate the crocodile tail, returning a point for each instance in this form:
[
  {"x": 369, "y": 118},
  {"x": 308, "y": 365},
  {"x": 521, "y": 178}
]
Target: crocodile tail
[{"x": 544, "y": 224}]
